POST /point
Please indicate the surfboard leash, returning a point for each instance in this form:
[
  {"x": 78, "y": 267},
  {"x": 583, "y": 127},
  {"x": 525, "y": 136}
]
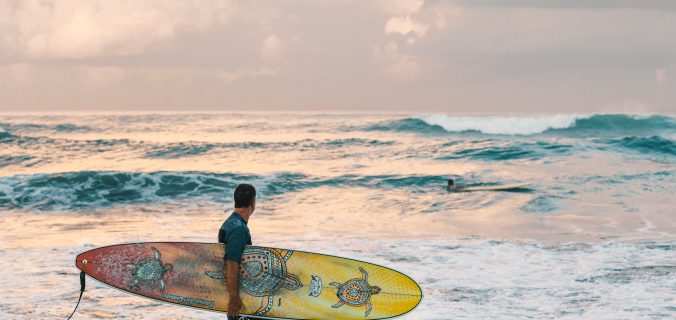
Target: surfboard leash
[{"x": 82, "y": 289}]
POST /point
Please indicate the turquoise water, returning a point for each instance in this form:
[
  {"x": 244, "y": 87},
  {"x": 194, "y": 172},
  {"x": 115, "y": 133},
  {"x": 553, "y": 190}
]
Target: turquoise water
[{"x": 592, "y": 236}]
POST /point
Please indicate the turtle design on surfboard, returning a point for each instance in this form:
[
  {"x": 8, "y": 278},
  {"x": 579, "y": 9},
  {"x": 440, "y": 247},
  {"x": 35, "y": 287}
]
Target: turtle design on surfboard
[
  {"x": 263, "y": 273},
  {"x": 150, "y": 270},
  {"x": 356, "y": 292}
]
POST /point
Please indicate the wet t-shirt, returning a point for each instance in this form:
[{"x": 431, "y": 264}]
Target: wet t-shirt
[{"x": 235, "y": 234}]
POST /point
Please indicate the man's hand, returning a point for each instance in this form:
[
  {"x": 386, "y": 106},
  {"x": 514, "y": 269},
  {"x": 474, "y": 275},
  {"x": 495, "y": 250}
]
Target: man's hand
[{"x": 235, "y": 306}]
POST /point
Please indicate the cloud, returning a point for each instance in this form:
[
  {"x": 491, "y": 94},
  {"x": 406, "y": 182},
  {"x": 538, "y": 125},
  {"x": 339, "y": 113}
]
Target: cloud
[
  {"x": 397, "y": 64},
  {"x": 399, "y": 7},
  {"x": 417, "y": 18},
  {"x": 413, "y": 25},
  {"x": 71, "y": 29},
  {"x": 272, "y": 49},
  {"x": 565, "y": 55},
  {"x": 404, "y": 26}
]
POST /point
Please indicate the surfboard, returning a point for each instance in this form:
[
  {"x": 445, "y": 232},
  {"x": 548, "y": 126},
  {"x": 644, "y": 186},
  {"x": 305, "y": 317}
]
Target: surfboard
[
  {"x": 274, "y": 283},
  {"x": 505, "y": 187}
]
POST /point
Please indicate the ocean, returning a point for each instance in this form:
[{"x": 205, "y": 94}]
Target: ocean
[{"x": 592, "y": 237}]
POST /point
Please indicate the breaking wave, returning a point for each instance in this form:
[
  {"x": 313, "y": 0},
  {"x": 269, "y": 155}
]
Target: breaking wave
[{"x": 564, "y": 124}]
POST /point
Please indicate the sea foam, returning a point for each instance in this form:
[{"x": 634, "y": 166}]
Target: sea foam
[{"x": 514, "y": 125}]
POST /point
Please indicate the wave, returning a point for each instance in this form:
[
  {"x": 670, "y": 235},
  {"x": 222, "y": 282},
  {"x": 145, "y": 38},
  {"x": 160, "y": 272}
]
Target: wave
[
  {"x": 566, "y": 124},
  {"x": 62, "y": 127},
  {"x": 500, "y": 150},
  {"x": 86, "y": 189},
  {"x": 92, "y": 189},
  {"x": 404, "y": 125},
  {"x": 178, "y": 150},
  {"x": 192, "y": 148},
  {"x": 174, "y": 150},
  {"x": 643, "y": 145},
  {"x": 502, "y": 125},
  {"x": 8, "y": 160},
  {"x": 6, "y": 137}
]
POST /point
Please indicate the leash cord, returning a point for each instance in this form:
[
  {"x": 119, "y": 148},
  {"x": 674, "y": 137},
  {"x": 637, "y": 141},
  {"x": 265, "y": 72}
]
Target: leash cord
[{"x": 82, "y": 289}]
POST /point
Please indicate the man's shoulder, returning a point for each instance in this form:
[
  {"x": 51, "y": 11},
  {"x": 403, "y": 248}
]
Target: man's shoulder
[{"x": 233, "y": 222}]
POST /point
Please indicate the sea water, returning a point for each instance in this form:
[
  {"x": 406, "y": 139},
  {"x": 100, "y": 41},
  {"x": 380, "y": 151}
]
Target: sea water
[{"x": 592, "y": 237}]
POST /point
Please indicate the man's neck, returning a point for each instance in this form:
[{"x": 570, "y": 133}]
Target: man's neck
[{"x": 245, "y": 213}]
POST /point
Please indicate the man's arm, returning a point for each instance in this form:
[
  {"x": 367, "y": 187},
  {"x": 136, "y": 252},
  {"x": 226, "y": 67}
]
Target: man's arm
[
  {"x": 232, "y": 281},
  {"x": 234, "y": 248}
]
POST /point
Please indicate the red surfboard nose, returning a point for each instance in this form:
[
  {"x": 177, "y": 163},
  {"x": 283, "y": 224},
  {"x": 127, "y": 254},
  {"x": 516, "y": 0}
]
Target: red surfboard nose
[{"x": 81, "y": 261}]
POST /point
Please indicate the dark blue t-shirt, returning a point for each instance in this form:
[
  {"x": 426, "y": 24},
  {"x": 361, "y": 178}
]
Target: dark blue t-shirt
[{"x": 235, "y": 234}]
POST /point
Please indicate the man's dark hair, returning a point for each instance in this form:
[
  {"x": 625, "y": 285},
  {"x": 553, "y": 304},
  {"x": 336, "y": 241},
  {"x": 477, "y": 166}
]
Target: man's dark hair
[
  {"x": 451, "y": 182},
  {"x": 244, "y": 195}
]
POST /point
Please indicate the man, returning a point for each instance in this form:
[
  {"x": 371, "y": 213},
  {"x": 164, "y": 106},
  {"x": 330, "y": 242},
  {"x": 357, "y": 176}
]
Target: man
[
  {"x": 452, "y": 186},
  {"x": 235, "y": 234}
]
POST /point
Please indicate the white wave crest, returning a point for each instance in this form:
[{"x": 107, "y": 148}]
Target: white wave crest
[{"x": 508, "y": 125}]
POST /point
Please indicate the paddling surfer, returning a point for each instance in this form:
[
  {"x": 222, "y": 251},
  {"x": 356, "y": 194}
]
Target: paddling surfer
[
  {"x": 235, "y": 234},
  {"x": 516, "y": 187},
  {"x": 452, "y": 186}
]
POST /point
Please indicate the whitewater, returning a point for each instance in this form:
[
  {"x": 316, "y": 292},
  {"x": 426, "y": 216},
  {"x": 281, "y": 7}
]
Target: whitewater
[{"x": 592, "y": 237}]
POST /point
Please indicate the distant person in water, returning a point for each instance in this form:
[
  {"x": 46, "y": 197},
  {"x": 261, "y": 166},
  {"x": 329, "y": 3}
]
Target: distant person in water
[
  {"x": 452, "y": 186},
  {"x": 235, "y": 234}
]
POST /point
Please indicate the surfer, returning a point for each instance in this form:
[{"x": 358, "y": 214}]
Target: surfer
[
  {"x": 515, "y": 187},
  {"x": 235, "y": 234},
  {"x": 452, "y": 186}
]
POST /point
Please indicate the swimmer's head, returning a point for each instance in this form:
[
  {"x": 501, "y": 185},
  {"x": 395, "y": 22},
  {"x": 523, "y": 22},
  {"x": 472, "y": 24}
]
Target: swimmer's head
[{"x": 451, "y": 183}]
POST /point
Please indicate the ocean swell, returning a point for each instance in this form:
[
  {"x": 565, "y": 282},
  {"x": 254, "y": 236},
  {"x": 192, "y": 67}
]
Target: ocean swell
[
  {"x": 500, "y": 150},
  {"x": 86, "y": 189},
  {"x": 404, "y": 125},
  {"x": 575, "y": 125},
  {"x": 642, "y": 145},
  {"x": 174, "y": 150},
  {"x": 91, "y": 189},
  {"x": 193, "y": 148},
  {"x": 31, "y": 127}
]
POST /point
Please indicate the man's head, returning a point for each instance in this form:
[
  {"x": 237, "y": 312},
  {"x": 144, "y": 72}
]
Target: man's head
[
  {"x": 245, "y": 196},
  {"x": 451, "y": 183}
]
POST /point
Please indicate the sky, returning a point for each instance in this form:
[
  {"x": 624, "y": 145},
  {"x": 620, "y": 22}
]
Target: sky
[{"x": 463, "y": 56}]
